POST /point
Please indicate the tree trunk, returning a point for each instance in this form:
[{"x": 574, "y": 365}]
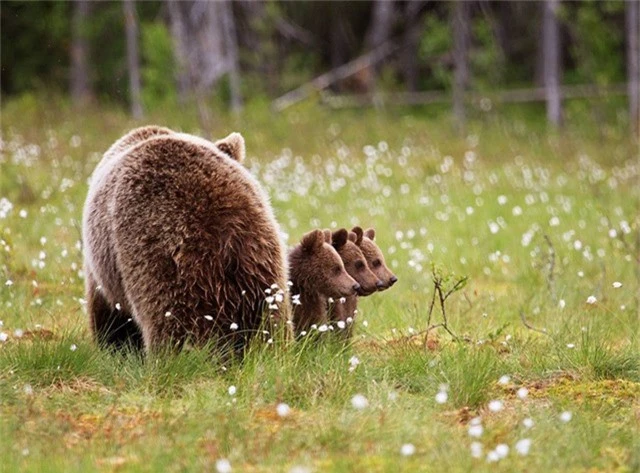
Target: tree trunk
[
  {"x": 133, "y": 58},
  {"x": 411, "y": 41},
  {"x": 231, "y": 50},
  {"x": 551, "y": 54},
  {"x": 180, "y": 48},
  {"x": 379, "y": 31},
  {"x": 461, "y": 38},
  {"x": 81, "y": 91},
  {"x": 633, "y": 63}
]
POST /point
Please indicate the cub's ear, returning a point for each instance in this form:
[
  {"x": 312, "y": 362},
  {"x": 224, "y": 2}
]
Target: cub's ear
[
  {"x": 353, "y": 237},
  {"x": 370, "y": 233},
  {"x": 312, "y": 241},
  {"x": 339, "y": 238},
  {"x": 233, "y": 146},
  {"x": 327, "y": 235},
  {"x": 359, "y": 234}
]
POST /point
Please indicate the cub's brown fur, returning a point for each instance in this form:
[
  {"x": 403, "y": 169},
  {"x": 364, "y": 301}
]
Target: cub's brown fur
[
  {"x": 181, "y": 238},
  {"x": 356, "y": 266},
  {"x": 317, "y": 273},
  {"x": 375, "y": 258}
]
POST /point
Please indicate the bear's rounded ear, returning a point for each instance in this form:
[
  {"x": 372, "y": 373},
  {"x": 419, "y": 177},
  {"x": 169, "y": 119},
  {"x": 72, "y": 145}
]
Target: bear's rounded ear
[
  {"x": 370, "y": 233},
  {"x": 312, "y": 241},
  {"x": 353, "y": 237},
  {"x": 327, "y": 235},
  {"x": 359, "y": 234},
  {"x": 233, "y": 146},
  {"x": 339, "y": 238}
]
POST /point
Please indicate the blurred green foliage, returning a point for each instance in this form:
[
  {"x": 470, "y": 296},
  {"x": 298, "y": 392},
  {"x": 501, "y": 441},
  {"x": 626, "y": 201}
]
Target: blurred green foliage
[{"x": 504, "y": 50}]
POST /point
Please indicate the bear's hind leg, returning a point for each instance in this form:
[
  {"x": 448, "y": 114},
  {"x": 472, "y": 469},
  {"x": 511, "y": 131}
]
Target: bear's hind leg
[{"x": 111, "y": 328}]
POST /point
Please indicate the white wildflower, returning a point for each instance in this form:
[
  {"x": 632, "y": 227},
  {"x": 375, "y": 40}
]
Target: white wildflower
[
  {"x": 475, "y": 430},
  {"x": 283, "y": 409},
  {"x": 223, "y": 466},
  {"x": 476, "y": 449},
  {"x": 232, "y": 390},
  {"x": 407, "y": 450},
  {"x": 233, "y": 326},
  {"x": 566, "y": 416},
  {"x": 523, "y": 446},
  {"x": 496, "y": 405},
  {"x": 359, "y": 402},
  {"x": 502, "y": 450},
  {"x": 522, "y": 393},
  {"x": 591, "y": 300}
]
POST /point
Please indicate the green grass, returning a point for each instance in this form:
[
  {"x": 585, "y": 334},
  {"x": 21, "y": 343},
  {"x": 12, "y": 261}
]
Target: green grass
[{"x": 527, "y": 214}]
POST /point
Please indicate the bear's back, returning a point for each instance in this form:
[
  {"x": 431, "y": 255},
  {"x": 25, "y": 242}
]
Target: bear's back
[{"x": 189, "y": 219}]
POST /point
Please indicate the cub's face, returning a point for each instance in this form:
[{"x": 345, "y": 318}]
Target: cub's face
[
  {"x": 323, "y": 267},
  {"x": 375, "y": 260},
  {"x": 356, "y": 264}
]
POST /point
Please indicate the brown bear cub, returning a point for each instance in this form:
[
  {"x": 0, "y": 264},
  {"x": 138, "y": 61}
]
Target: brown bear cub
[
  {"x": 345, "y": 312},
  {"x": 317, "y": 273},
  {"x": 375, "y": 258},
  {"x": 181, "y": 239}
]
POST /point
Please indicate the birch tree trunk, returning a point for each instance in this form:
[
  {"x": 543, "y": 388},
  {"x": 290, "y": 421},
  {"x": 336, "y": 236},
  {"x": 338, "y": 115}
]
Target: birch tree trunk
[
  {"x": 379, "y": 30},
  {"x": 180, "y": 48},
  {"x": 231, "y": 52},
  {"x": 551, "y": 54},
  {"x": 411, "y": 41},
  {"x": 461, "y": 37},
  {"x": 133, "y": 57},
  {"x": 632, "y": 17},
  {"x": 80, "y": 84}
]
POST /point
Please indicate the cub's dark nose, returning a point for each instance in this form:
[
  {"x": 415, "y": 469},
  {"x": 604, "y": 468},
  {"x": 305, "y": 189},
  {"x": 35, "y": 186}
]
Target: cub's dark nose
[
  {"x": 393, "y": 280},
  {"x": 380, "y": 285},
  {"x": 356, "y": 287}
]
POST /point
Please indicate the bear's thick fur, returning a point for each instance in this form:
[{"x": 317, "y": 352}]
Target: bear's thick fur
[
  {"x": 317, "y": 273},
  {"x": 375, "y": 258},
  {"x": 180, "y": 238}
]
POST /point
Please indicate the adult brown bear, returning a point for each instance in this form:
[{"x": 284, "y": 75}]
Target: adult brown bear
[{"x": 180, "y": 244}]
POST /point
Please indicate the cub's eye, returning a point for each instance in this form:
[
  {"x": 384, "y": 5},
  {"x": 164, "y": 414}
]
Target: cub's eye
[
  {"x": 377, "y": 263},
  {"x": 360, "y": 264},
  {"x": 337, "y": 270}
]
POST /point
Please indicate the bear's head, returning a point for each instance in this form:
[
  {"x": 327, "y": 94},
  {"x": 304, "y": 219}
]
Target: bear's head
[
  {"x": 316, "y": 266},
  {"x": 374, "y": 257},
  {"x": 233, "y": 146},
  {"x": 355, "y": 262}
]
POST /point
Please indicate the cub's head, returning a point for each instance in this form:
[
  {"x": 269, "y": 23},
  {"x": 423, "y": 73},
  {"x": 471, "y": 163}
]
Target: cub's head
[
  {"x": 316, "y": 266},
  {"x": 233, "y": 146},
  {"x": 355, "y": 262},
  {"x": 374, "y": 257}
]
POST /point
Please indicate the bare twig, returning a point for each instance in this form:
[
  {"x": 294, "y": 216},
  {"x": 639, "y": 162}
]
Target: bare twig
[
  {"x": 531, "y": 327},
  {"x": 552, "y": 265}
]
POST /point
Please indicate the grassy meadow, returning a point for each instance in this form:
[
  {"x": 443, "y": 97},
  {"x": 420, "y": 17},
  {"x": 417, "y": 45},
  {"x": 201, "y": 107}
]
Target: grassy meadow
[{"x": 543, "y": 373}]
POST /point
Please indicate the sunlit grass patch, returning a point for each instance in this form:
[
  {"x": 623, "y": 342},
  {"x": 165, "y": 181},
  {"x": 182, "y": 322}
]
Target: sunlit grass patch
[{"x": 542, "y": 362}]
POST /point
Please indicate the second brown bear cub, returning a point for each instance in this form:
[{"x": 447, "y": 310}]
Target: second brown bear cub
[{"x": 364, "y": 250}]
